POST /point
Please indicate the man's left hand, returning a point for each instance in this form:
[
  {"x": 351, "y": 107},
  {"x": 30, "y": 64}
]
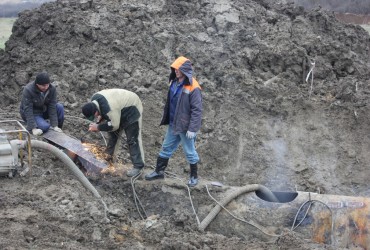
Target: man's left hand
[
  {"x": 93, "y": 127},
  {"x": 190, "y": 135}
]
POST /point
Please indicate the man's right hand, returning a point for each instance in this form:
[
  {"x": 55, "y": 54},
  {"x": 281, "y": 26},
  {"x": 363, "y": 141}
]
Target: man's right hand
[
  {"x": 37, "y": 131},
  {"x": 93, "y": 127}
]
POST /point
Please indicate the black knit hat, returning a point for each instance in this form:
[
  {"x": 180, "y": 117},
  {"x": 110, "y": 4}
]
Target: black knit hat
[
  {"x": 88, "y": 110},
  {"x": 42, "y": 79}
]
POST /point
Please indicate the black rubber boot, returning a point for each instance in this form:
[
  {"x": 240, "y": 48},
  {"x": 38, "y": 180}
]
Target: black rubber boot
[
  {"x": 158, "y": 173},
  {"x": 193, "y": 181}
]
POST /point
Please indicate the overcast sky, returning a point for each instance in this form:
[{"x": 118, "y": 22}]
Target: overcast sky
[{"x": 20, "y": 1}]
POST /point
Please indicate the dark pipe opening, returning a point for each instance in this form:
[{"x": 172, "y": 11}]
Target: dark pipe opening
[{"x": 283, "y": 197}]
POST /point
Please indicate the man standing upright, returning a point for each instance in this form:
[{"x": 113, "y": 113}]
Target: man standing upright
[
  {"x": 118, "y": 110},
  {"x": 183, "y": 114},
  {"x": 39, "y": 102}
]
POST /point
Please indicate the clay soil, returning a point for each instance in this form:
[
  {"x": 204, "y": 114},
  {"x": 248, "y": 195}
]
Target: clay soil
[{"x": 263, "y": 123}]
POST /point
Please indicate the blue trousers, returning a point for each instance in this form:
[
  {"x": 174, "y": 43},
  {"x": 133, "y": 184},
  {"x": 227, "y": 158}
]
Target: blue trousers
[
  {"x": 171, "y": 142},
  {"x": 41, "y": 119}
]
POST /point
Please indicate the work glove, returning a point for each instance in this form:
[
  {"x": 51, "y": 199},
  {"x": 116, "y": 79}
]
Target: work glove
[
  {"x": 93, "y": 127},
  {"x": 36, "y": 131},
  {"x": 190, "y": 135},
  {"x": 57, "y": 129}
]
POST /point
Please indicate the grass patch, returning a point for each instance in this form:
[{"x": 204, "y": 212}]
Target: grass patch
[
  {"x": 366, "y": 27},
  {"x": 6, "y": 25}
]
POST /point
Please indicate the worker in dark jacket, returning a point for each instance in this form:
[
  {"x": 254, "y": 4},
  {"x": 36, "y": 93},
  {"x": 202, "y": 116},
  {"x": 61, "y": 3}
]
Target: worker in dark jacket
[
  {"x": 39, "y": 102},
  {"x": 183, "y": 114},
  {"x": 118, "y": 110}
]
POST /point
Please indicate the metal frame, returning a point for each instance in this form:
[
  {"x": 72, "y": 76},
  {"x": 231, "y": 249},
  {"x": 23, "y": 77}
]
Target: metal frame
[{"x": 20, "y": 133}]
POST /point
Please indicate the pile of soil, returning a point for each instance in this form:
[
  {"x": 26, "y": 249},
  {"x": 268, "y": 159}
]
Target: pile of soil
[{"x": 267, "y": 119}]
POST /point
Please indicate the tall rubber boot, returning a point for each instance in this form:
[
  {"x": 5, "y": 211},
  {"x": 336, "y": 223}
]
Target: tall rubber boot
[
  {"x": 158, "y": 173},
  {"x": 60, "y": 124},
  {"x": 193, "y": 181}
]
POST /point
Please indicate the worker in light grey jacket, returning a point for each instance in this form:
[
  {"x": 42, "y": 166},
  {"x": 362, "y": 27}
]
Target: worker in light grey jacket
[{"x": 118, "y": 110}]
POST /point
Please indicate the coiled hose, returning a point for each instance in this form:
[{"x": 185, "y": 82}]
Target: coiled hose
[
  {"x": 249, "y": 188},
  {"x": 64, "y": 158}
]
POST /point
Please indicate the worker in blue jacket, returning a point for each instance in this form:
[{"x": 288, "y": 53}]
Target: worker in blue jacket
[{"x": 183, "y": 115}]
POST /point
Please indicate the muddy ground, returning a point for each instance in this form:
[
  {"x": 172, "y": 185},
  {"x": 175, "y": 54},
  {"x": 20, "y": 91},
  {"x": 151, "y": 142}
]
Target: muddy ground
[{"x": 263, "y": 123}]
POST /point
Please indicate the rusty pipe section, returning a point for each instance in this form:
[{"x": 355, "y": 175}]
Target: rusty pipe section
[
  {"x": 64, "y": 158},
  {"x": 248, "y": 188}
]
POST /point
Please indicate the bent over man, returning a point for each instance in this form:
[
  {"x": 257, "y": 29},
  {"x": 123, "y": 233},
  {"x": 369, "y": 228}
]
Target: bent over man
[
  {"x": 118, "y": 110},
  {"x": 39, "y": 102},
  {"x": 183, "y": 115}
]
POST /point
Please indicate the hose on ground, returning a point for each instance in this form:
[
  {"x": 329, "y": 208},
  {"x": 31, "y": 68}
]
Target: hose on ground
[
  {"x": 64, "y": 158},
  {"x": 248, "y": 188}
]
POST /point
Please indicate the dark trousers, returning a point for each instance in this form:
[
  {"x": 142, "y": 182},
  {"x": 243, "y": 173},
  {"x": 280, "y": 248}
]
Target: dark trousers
[{"x": 133, "y": 140}]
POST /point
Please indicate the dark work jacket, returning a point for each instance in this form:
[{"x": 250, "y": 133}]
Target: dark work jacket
[{"x": 33, "y": 103}]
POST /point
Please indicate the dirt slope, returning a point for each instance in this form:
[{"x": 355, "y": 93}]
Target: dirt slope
[{"x": 263, "y": 123}]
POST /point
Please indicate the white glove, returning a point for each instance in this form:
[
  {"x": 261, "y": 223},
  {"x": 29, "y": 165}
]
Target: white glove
[
  {"x": 36, "y": 131},
  {"x": 57, "y": 129},
  {"x": 190, "y": 135}
]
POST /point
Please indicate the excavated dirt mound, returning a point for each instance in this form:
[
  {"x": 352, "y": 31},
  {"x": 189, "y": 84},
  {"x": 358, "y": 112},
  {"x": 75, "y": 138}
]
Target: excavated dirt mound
[{"x": 264, "y": 120}]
